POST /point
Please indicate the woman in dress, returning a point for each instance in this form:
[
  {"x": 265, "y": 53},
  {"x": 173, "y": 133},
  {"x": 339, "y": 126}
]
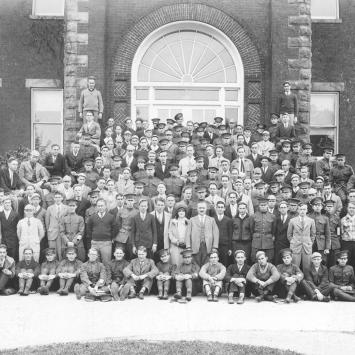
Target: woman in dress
[{"x": 177, "y": 233}]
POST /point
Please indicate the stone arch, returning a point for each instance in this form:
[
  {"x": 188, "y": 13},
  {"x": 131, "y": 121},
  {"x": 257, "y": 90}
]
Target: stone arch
[{"x": 119, "y": 88}]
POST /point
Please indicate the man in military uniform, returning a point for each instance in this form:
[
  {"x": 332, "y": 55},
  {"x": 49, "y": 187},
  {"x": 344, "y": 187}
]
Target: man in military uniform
[
  {"x": 174, "y": 183},
  {"x": 293, "y": 207},
  {"x": 302, "y": 193},
  {"x": 334, "y": 226},
  {"x": 72, "y": 230},
  {"x": 201, "y": 196},
  {"x": 262, "y": 227},
  {"x": 306, "y": 159},
  {"x": 202, "y": 173},
  {"x": 93, "y": 280},
  {"x": 150, "y": 182},
  {"x": 342, "y": 279},
  {"x": 192, "y": 182},
  {"x": 322, "y": 241},
  {"x": 340, "y": 175},
  {"x": 323, "y": 166}
]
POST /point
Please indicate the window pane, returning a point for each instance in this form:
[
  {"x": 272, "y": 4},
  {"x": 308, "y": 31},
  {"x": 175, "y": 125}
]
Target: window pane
[
  {"x": 324, "y": 9},
  {"x": 324, "y": 109},
  {"x": 142, "y": 112},
  {"x": 231, "y": 114},
  {"x": 231, "y": 95},
  {"x": 46, "y": 135},
  {"x": 142, "y": 94},
  {"x": 197, "y": 115},
  {"x": 182, "y": 94},
  {"x": 210, "y": 115},
  {"x": 163, "y": 113},
  {"x": 48, "y": 117},
  {"x": 48, "y": 7},
  {"x": 47, "y": 106},
  {"x": 321, "y": 137}
]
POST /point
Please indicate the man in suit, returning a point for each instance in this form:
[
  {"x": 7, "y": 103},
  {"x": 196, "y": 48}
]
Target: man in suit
[
  {"x": 301, "y": 233},
  {"x": 267, "y": 172},
  {"x": 8, "y": 229},
  {"x": 91, "y": 129},
  {"x": 161, "y": 168},
  {"x": 254, "y": 157},
  {"x": 7, "y": 271},
  {"x": 202, "y": 234},
  {"x": 54, "y": 216},
  {"x": 162, "y": 220},
  {"x": 9, "y": 178},
  {"x": 285, "y": 130},
  {"x": 82, "y": 204},
  {"x": 209, "y": 134},
  {"x": 144, "y": 230},
  {"x": 245, "y": 166},
  {"x": 54, "y": 162},
  {"x": 31, "y": 172},
  {"x": 74, "y": 159},
  {"x": 225, "y": 228},
  {"x": 281, "y": 241},
  {"x": 129, "y": 161}
]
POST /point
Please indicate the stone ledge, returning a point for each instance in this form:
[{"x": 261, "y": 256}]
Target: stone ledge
[
  {"x": 43, "y": 83},
  {"x": 327, "y": 20},
  {"x": 328, "y": 86}
]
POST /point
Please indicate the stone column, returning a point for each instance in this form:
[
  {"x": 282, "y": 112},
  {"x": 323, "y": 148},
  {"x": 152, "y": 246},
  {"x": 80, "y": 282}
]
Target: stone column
[
  {"x": 75, "y": 64},
  {"x": 300, "y": 65}
]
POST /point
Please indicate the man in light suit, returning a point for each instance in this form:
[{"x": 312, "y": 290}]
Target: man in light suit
[
  {"x": 54, "y": 216},
  {"x": 301, "y": 233},
  {"x": 31, "y": 172},
  {"x": 90, "y": 128},
  {"x": 245, "y": 166},
  {"x": 202, "y": 234}
]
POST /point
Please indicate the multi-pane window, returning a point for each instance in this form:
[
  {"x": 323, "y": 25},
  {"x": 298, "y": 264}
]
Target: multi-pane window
[
  {"x": 325, "y": 9},
  {"x": 48, "y": 8},
  {"x": 47, "y": 118},
  {"x": 324, "y": 120}
]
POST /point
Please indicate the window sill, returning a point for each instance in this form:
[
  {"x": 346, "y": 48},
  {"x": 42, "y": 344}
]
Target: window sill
[
  {"x": 327, "y": 20},
  {"x": 53, "y": 17}
]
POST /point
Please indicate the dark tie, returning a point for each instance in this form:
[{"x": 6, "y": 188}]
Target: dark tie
[{"x": 242, "y": 167}]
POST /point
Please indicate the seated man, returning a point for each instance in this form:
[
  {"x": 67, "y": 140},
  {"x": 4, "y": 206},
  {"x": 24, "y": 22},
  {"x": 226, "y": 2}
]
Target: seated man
[
  {"x": 212, "y": 274},
  {"x": 342, "y": 280},
  {"x": 68, "y": 270},
  {"x": 315, "y": 282},
  {"x": 26, "y": 270},
  {"x": 263, "y": 277},
  {"x": 93, "y": 280},
  {"x": 48, "y": 271},
  {"x": 140, "y": 274},
  {"x": 236, "y": 277},
  {"x": 185, "y": 275},
  {"x": 115, "y": 276},
  {"x": 7, "y": 271},
  {"x": 166, "y": 269},
  {"x": 290, "y": 276}
]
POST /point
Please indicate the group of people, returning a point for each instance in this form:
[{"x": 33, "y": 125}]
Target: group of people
[{"x": 180, "y": 207}]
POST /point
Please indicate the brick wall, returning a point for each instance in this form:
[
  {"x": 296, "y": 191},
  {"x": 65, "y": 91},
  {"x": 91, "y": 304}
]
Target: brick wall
[{"x": 19, "y": 60}]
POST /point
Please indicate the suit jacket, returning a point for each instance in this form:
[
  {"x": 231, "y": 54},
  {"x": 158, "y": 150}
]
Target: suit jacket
[
  {"x": 248, "y": 167},
  {"x": 285, "y": 133},
  {"x": 133, "y": 165},
  {"x": 57, "y": 167},
  {"x": 207, "y": 136},
  {"x": 166, "y": 221},
  {"x": 268, "y": 175},
  {"x": 159, "y": 171},
  {"x": 301, "y": 238},
  {"x": 74, "y": 163},
  {"x": 144, "y": 232},
  {"x": 5, "y": 181},
  {"x": 26, "y": 172},
  {"x": 94, "y": 131},
  {"x": 317, "y": 280},
  {"x": 256, "y": 162},
  {"x": 135, "y": 267},
  {"x": 281, "y": 240},
  {"x": 82, "y": 206},
  {"x": 193, "y": 234},
  {"x": 53, "y": 221},
  {"x": 225, "y": 228},
  {"x": 8, "y": 229}
]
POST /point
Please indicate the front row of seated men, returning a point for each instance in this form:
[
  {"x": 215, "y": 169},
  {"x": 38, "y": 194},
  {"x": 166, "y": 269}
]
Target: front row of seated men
[{"x": 121, "y": 279}]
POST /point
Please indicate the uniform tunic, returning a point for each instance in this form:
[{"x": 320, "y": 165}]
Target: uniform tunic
[
  {"x": 341, "y": 276},
  {"x": 49, "y": 267},
  {"x": 91, "y": 272},
  {"x": 322, "y": 240},
  {"x": 115, "y": 271},
  {"x": 262, "y": 227},
  {"x": 124, "y": 223},
  {"x": 72, "y": 267}
]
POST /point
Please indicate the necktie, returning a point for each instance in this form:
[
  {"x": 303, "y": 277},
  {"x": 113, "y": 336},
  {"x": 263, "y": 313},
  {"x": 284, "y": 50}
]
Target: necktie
[
  {"x": 28, "y": 222},
  {"x": 58, "y": 211},
  {"x": 302, "y": 222},
  {"x": 242, "y": 166},
  {"x": 163, "y": 168}
]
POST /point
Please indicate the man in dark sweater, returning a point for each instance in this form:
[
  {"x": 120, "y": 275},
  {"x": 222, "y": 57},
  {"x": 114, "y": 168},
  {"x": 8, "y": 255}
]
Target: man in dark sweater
[{"x": 100, "y": 230}]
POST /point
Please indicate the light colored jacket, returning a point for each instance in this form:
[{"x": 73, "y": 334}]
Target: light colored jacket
[{"x": 301, "y": 238}]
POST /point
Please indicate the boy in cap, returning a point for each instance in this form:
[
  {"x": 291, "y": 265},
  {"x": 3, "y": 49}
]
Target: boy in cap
[
  {"x": 212, "y": 274},
  {"x": 68, "y": 270},
  {"x": 290, "y": 276},
  {"x": 185, "y": 274},
  {"x": 342, "y": 279},
  {"x": 93, "y": 280},
  {"x": 322, "y": 243},
  {"x": 72, "y": 230},
  {"x": 236, "y": 277},
  {"x": 114, "y": 269},
  {"x": 263, "y": 277},
  {"x": 26, "y": 270},
  {"x": 316, "y": 281},
  {"x": 140, "y": 274},
  {"x": 166, "y": 269},
  {"x": 48, "y": 271}
]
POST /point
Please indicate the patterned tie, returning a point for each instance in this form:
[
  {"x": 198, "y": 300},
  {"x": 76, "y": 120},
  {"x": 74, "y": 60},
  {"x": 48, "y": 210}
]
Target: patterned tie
[{"x": 242, "y": 169}]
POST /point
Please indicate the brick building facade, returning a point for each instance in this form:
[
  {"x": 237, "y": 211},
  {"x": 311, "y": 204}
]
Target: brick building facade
[{"x": 276, "y": 40}]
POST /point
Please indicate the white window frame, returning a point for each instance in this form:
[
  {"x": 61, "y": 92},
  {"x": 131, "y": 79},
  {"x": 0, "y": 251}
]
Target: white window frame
[
  {"x": 53, "y": 14},
  {"x": 336, "y": 17},
  {"x": 152, "y": 103},
  {"x": 336, "y": 121},
  {"x": 33, "y": 123}
]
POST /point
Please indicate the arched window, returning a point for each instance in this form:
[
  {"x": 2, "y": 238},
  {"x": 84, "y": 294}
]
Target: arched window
[{"x": 187, "y": 67}]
